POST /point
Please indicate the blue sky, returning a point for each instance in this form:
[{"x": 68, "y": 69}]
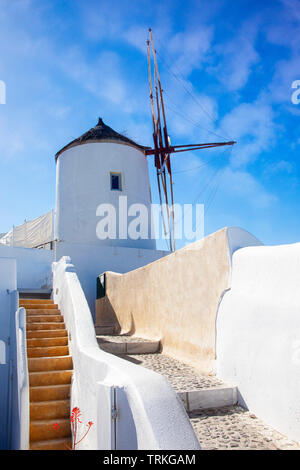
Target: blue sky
[{"x": 67, "y": 62}]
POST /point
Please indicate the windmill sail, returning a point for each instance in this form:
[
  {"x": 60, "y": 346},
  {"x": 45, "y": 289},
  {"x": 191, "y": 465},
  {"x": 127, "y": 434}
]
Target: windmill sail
[{"x": 162, "y": 148}]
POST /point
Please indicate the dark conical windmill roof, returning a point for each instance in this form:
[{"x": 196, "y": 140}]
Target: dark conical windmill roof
[{"x": 100, "y": 132}]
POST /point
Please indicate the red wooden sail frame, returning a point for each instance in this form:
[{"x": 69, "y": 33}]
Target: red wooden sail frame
[{"x": 162, "y": 147}]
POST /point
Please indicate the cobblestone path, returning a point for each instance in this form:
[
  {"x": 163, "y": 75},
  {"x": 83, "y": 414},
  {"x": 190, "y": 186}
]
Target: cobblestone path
[{"x": 226, "y": 428}]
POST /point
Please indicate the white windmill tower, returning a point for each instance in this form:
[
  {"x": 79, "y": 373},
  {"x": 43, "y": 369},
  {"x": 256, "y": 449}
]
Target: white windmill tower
[{"x": 97, "y": 168}]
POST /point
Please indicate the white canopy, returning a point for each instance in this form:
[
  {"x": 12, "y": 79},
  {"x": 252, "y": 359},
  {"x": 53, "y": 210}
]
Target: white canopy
[{"x": 31, "y": 234}]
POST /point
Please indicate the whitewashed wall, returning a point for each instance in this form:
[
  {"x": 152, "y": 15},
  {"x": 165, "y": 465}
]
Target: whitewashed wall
[
  {"x": 7, "y": 284},
  {"x": 33, "y": 266},
  {"x": 91, "y": 260},
  {"x": 258, "y": 334}
]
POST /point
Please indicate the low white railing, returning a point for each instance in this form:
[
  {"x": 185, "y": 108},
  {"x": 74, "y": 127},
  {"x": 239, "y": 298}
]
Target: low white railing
[
  {"x": 19, "y": 386},
  {"x": 23, "y": 378},
  {"x": 130, "y": 407}
]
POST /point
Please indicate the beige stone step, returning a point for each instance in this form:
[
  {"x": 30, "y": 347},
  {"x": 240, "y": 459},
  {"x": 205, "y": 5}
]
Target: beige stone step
[
  {"x": 49, "y": 351},
  {"x": 39, "y": 306},
  {"x": 46, "y": 326},
  {"x": 44, "y": 319},
  {"x": 105, "y": 330},
  {"x": 50, "y": 392},
  {"x": 34, "y": 334},
  {"x": 42, "y": 311},
  {"x": 54, "y": 409},
  {"x": 37, "y": 312},
  {"x": 35, "y": 301},
  {"x": 52, "y": 444},
  {"x": 209, "y": 398},
  {"x": 47, "y": 342},
  {"x": 43, "y": 429},
  {"x": 43, "y": 364},
  {"x": 56, "y": 377},
  {"x": 123, "y": 344}
]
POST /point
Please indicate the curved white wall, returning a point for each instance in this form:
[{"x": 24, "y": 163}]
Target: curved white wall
[
  {"x": 258, "y": 334},
  {"x": 149, "y": 413},
  {"x": 83, "y": 182},
  {"x": 238, "y": 238}
]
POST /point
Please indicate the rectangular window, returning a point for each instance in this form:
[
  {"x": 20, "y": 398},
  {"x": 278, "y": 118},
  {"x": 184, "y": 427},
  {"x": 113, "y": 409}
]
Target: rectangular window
[{"x": 115, "y": 182}]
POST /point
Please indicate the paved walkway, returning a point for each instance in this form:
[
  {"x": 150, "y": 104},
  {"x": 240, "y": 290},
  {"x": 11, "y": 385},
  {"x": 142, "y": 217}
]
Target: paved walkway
[
  {"x": 220, "y": 429},
  {"x": 233, "y": 428},
  {"x": 181, "y": 377}
]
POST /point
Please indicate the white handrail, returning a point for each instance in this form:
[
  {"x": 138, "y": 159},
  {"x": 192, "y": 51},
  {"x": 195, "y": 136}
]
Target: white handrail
[{"x": 22, "y": 378}]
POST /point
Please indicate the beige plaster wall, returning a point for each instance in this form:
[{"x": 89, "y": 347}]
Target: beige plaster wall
[{"x": 174, "y": 299}]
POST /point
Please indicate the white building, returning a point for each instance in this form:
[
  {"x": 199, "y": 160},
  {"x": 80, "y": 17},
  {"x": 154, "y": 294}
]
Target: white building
[{"x": 97, "y": 168}]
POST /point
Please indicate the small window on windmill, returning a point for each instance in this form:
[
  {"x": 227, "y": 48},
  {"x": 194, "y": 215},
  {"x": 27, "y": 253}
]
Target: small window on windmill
[{"x": 116, "y": 181}]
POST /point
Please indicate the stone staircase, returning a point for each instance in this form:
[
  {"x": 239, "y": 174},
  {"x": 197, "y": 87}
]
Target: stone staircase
[
  {"x": 219, "y": 422},
  {"x": 50, "y": 371}
]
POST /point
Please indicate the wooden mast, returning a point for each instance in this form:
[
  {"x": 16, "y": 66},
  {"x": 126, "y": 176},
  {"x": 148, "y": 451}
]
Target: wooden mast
[
  {"x": 155, "y": 122},
  {"x": 163, "y": 148},
  {"x": 165, "y": 157}
]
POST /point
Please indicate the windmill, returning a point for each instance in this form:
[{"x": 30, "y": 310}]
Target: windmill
[{"x": 162, "y": 147}]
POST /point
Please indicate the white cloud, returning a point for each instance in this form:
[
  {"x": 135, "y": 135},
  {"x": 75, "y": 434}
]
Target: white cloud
[
  {"x": 286, "y": 71},
  {"x": 191, "y": 119},
  {"x": 242, "y": 184},
  {"x": 251, "y": 124},
  {"x": 238, "y": 57},
  {"x": 282, "y": 166},
  {"x": 189, "y": 48},
  {"x": 231, "y": 184},
  {"x": 106, "y": 21},
  {"x": 137, "y": 36},
  {"x": 18, "y": 139},
  {"x": 283, "y": 30},
  {"x": 183, "y": 52},
  {"x": 103, "y": 77},
  {"x": 293, "y": 7}
]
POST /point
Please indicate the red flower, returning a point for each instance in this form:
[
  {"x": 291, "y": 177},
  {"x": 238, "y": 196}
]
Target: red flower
[
  {"x": 74, "y": 418},
  {"x": 75, "y": 415}
]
